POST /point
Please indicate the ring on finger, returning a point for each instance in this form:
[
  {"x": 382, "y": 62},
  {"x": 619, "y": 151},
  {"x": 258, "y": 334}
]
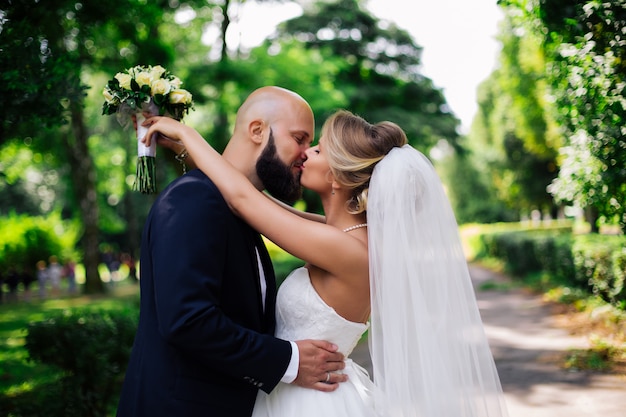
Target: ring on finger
[{"x": 327, "y": 377}]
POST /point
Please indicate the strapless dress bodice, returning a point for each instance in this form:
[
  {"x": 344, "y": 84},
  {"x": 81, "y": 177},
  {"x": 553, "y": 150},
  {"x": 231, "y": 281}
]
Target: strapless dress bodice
[{"x": 302, "y": 314}]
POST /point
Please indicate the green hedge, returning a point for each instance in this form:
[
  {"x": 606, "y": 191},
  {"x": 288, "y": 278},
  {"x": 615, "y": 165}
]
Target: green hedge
[
  {"x": 594, "y": 263},
  {"x": 24, "y": 240},
  {"x": 92, "y": 349},
  {"x": 601, "y": 261}
]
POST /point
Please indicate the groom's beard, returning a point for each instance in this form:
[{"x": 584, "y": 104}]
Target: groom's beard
[{"x": 277, "y": 177}]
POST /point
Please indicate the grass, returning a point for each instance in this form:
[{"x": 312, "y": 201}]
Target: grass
[
  {"x": 604, "y": 326},
  {"x": 23, "y": 381},
  {"x": 601, "y": 357},
  {"x": 19, "y": 375}
]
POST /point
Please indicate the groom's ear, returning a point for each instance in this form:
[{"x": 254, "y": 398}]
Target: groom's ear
[{"x": 256, "y": 131}]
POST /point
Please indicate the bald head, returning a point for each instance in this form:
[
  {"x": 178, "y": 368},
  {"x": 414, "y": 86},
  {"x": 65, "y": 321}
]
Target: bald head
[
  {"x": 271, "y": 119},
  {"x": 270, "y": 104}
]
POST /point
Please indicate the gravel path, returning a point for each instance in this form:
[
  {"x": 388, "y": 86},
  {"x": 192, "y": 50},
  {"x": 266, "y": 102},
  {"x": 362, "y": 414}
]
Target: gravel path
[{"x": 526, "y": 342}]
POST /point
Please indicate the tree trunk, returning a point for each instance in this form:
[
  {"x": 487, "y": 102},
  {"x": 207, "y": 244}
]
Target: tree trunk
[
  {"x": 84, "y": 180},
  {"x": 592, "y": 216},
  {"x": 221, "y": 133},
  {"x": 133, "y": 232}
]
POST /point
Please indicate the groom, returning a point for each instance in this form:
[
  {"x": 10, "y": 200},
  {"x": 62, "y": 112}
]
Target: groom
[{"x": 205, "y": 345}]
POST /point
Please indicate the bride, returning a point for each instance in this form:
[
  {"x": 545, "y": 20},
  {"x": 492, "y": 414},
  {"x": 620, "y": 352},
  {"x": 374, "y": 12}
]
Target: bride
[{"x": 387, "y": 259}]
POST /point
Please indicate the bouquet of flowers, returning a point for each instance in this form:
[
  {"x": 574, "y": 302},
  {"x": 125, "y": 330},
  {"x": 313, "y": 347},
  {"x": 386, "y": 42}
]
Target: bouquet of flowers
[{"x": 150, "y": 89}]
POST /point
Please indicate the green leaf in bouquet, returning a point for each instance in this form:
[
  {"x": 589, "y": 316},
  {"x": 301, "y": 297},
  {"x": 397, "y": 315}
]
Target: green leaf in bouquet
[
  {"x": 131, "y": 103},
  {"x": 114, "y": 84},
  {"x": 109, "y": 109},
  {"x": 158, "y": 99}
]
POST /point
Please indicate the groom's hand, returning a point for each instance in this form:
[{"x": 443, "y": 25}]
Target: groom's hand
[{"x": 318, "y": 362}]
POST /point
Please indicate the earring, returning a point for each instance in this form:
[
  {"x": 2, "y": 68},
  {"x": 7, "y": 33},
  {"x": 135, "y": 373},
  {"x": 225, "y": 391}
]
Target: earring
[{"x": 332, "y": 192}]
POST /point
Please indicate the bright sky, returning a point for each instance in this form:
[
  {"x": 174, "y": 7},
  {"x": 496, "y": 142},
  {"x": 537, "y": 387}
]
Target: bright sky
[{"x": 457, "y": 36}]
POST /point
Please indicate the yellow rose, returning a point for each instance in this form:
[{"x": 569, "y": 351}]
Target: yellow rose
[
  {"x": 160, "y": 86},
  {"x": 124, "y": 80},
  {"x": 143, "y": 78},
  {"x": 180, "y": 96},
  {"x": 108, "y": 97},
  {"x": 157, "y": 71}
]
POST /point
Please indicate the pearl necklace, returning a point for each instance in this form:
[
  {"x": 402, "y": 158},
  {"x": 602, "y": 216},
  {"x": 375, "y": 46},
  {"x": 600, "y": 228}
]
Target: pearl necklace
[{"x": 356, "y": 226}]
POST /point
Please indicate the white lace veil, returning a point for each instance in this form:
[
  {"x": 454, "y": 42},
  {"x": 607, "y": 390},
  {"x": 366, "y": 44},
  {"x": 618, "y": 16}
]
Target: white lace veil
[{"x": 429, "y": 351}]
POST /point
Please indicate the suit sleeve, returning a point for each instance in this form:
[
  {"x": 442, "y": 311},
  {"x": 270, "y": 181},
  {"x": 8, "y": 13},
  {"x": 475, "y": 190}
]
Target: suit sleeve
[{"x": 187, "y": 244}]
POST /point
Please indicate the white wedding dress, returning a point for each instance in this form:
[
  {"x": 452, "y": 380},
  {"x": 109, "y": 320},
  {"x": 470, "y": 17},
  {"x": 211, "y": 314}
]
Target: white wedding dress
[
  {"x": 430, "y": 354},
  {"x": 302, "y": 314}
]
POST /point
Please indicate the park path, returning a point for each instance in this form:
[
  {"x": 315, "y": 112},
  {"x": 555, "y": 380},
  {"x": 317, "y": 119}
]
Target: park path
[{"x": 526, "y": 342}]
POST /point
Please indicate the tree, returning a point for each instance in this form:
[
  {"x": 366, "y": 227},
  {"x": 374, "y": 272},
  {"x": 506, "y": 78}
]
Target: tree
[
  {"x": 49, "y": 48},
  {"x": 586, "y": 67},
  {"x": 591, "y": 70},
  {"x": 379, "y": 75},
  {"x": 514, "y": 134}
]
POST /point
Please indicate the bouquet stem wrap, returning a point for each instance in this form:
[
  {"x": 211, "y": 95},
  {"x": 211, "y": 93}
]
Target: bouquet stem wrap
[{"x": 145, "y": 179}]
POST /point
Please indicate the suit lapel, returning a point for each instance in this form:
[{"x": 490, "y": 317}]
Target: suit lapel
[{"x": 270, "y": 289}]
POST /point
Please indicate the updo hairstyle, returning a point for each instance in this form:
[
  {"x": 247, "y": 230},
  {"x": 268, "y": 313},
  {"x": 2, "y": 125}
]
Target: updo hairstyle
[{"x": 353, "y": 148}]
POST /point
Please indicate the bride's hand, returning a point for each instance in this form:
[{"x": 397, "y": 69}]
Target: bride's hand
[
  {"x": 166, "y": 128},
  {"x": 170, "y": 140}
]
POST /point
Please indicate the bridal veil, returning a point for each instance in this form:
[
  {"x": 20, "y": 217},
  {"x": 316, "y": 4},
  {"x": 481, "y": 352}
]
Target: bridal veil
[{"x": 429, "y": 351}]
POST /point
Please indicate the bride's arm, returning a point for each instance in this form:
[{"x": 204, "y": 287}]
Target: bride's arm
[
  {"x": 184, "y": 157},
  {"x": 179, "y": 149},
  {"x": 317, "y": 243},
  {"x": 175, "y": 146},
  {"x": 304, "y": 214}
]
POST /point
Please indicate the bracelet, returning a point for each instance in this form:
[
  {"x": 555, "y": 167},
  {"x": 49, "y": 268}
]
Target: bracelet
[{"x": 180, "y": 157}]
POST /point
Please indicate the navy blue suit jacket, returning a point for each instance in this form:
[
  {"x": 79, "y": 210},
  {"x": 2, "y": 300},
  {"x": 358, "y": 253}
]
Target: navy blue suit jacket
[{"x": 204, "y": 344}]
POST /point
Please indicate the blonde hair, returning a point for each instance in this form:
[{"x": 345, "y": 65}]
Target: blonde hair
[{"x": 354, "y": 147}]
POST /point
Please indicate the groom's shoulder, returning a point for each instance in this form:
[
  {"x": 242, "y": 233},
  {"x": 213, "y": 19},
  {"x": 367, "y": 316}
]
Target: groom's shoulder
[
  {"x": 192, "y": 178},
  {"x": 193, "y": 184}
]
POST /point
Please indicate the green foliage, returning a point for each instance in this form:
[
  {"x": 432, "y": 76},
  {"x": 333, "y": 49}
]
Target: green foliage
[
  {"x": 600, "y": 261},
  {"x": 30, "y": 180},
  {"x": 585, "y": 66},
  {"x": 309, "y": 72},
  {"x": 599, "y": 357},
  {"x": 29, "y": 388},
  {"x": 65, "y": 40},
  {"x": 24, "y": 240},
  {"x": 283, "y": 262},
  {"x": 514, "y": 136},
  {"x": 526, "y": 252},
  {"x": 57, "y": 57},
  {"x": 92, "y": 348},
  {"x": 28, "y": 97},
  {"x": 379, "y": 74},
  {"x": 594, "y": 263},
  {"x": 472, "y": 197}
]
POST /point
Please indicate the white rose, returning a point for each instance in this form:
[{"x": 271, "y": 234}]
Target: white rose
[
  {"x": 160, "y": 86},
  {"x": 176, "y": 82},
  {"x": 143, "y": 78},
  {"x": 180, "y": 96},
  {"x": 157, "y": 71},
  {"x": 124, "y": 80},
  {"x": 108, "y": 97}
]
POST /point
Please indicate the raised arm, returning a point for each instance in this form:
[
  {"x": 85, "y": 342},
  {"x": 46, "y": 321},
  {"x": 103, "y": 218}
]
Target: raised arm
[
  {"x": 178, "y": 147},
  {"x": 323, "y": 245},
  {"x": 304, "y": 214}
]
